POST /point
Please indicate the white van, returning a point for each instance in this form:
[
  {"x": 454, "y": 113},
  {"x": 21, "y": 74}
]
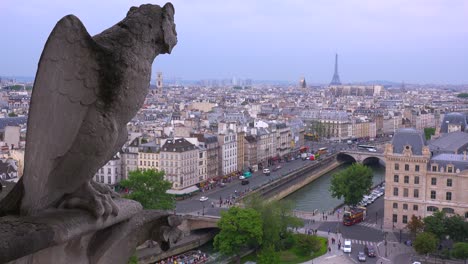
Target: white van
[{"x": 347, "y": 246}]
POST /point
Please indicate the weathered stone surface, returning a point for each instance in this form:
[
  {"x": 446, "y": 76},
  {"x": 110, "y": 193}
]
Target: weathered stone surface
[{"x": 85, "y": 92}]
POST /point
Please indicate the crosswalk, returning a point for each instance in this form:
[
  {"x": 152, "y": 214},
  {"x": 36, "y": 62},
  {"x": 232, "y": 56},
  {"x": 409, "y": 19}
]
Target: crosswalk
[
  {"x": 371, "y": 225},
  {"x": 363, "y": 242}
]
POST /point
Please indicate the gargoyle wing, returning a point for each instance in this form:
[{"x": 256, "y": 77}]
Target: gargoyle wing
[{"x": 66, "y": 84}]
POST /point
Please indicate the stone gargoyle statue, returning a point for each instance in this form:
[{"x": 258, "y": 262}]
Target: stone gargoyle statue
[{"x": 85, "y": 92}]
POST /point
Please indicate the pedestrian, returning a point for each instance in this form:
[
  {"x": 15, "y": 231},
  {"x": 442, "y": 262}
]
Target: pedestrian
[
  {"x": 329, "y": 249},
  {"x": 329, "y": 231}
]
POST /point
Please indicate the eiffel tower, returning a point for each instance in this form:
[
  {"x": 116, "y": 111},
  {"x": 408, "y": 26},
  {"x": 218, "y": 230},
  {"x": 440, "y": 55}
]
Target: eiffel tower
[{"x": 336, "y": 77}]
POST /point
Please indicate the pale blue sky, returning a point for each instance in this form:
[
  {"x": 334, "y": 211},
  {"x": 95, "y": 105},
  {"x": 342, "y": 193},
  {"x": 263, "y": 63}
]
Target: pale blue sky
[{"x": 424, "y": 41}]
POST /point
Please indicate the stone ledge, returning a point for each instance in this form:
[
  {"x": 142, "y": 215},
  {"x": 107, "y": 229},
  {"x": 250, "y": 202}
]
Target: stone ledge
[{"x": 22, "y": 236}]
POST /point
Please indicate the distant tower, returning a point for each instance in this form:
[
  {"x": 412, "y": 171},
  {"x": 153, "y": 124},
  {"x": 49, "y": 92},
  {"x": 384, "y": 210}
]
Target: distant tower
[
  {"x": 159, "y": 82},
  {"x": 336, "y": 77},
  {"x": 302, "y": 83}
]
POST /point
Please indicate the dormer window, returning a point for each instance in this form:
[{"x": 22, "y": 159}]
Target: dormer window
[{"x": 449, "y": 169}]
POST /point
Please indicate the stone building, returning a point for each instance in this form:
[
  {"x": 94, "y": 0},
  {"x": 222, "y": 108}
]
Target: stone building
[
  {"x": 420, "y": 181},
  {"x": 178, "y": 158},
  {"x": 250, "y": 154},
  {"x": 227, "y": 152},
  {"x": 210, "y": 143},
  {"x": 111, "y": 173},
  {"x": 148, "y": 156}
]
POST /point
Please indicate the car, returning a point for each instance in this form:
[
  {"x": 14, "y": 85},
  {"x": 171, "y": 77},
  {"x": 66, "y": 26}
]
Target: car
[
  {"x": 416, "y": 262},
  {"x": 245, "y": 182},
  {"x": 222, "y": 185},
  {"x": 203, "y": 199},
  {"x": 370, "y": 251},
  {"x": 242, "y": 177},
  {"x": 372, "y": 150},
  {"x": 347, "y": 246},
  {"x": 361, "y": 256},
  {"x": 277, "y": 168},
  {"x": 266, "y": 172}
]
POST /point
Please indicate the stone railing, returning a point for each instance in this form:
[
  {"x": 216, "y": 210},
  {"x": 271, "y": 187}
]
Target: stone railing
[{"x": 75, "y": 236}]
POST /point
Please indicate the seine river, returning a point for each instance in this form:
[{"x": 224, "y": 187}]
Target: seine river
[{"x": 315, "y": 195}]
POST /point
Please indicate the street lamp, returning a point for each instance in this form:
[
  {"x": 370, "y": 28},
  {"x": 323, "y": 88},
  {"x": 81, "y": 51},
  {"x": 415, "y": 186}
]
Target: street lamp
[{"x": 400, "y": 235}]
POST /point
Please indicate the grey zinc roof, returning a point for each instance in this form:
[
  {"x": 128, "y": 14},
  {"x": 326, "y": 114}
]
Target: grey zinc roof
[
  {"x": 457, "y": 160},
  {"x": 455, "y": 142},
  {"x": 408, "y": 136},
  {"x": 453, "y": 118},
  {"x": 12, "y": 121}
]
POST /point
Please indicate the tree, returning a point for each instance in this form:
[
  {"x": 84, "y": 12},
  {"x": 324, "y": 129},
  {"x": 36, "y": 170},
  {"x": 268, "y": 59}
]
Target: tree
[
  {"x": 239, "y": 228},
  {"x": 415, "y": 225},
  {"x": 268, "y": 255},
  {"x": 277, "y": 217},
  {"x": 351, "y": 184},
  {"x": 12, "y": 114},
  {"x": 425, "y": 243},
  {"x": 456, "y": 227},
  {"x": 462, "y": 95},
  {"x": 149, "y": 188},
  {"x": 428, "y": 132},
  {"x": 307, "y": 244},
  {"x": 460, "y": 250},
  {"x": 435, "y": 224}
]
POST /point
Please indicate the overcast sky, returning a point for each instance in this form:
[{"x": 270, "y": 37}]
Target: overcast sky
[{"x": 424, "y": 41}]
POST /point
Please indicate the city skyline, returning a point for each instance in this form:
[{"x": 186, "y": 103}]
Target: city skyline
[{"x": 423, "y": 42}]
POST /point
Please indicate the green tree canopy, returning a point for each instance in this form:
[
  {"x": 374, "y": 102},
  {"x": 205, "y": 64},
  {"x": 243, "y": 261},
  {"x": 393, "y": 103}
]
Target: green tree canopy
[
  {"x": 149, "y": 188},
  {"x": 239, "y": 228},
  {"x": 428, "y": 132},
  {"x": 351, "y": 184},
  {"x": 268, "y": 255},
  {"x": 460, "y": 250},
  {"x": 435, "y": 224},
  {"x": 456, "y": 227},
  {"x": 307, "y": 244},
  {"x": 425, "y": 243},
  {"x": 415, "y": 225},
  {"x": 462, "y": 95},
  {"x": 277, "y": 217}
]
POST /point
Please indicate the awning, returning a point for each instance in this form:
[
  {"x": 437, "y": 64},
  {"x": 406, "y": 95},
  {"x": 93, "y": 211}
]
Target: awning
[{"x": 190, "y": 189}]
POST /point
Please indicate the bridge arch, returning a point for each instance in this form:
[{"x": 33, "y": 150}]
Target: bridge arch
[
  {"x": 373, "y": 160},
  {"x": 344, "y": 158}
]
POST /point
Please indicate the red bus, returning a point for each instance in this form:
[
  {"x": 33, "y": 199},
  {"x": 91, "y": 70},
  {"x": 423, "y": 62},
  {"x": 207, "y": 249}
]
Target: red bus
[{"x": 354, "y": 215}]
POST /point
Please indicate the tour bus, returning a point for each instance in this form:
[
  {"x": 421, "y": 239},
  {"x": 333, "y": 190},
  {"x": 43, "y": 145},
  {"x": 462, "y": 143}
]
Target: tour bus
[
  {"x": 366, "y": 147},
  {"x": 354, "y": 215}
]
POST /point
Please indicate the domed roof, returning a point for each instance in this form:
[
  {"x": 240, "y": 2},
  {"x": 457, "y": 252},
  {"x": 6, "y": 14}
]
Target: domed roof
[
  {"x": 408, "y": 137},
  {"x": 454, "y": 119}
]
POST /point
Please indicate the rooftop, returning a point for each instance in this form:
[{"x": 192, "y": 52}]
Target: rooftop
[{"x": 408, "y": 137}]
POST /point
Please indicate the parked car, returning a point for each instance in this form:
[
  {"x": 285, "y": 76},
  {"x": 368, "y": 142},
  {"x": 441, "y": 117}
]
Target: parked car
[
  {"x": 245, "y": 182},
  {"x": 203, "y": 199},
  {"x": 266, "y": 172},
  {"x": 222, "y": 185},
  {"x": 277, "y": 168},
  {"x": 372, "y": 150},
  {"x": 361, "y": 256}
]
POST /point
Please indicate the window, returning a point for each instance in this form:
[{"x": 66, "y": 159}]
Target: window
[
  {"x": 432, "y": 209},
  {"x": 466, "y": 215},
  {"x": 416, "y": 168},
  {"x": 449, "y": 182},
  {"x": 448, "y": 196},
  {"x": 449, "y": 169},
  {"x": 405, "y": 192},
  {"x": 395, "y": 178},
  {"x": 102, "y": 179},
  {"x": 434, "y": 168},
  {"x": 395, "y": 191},
  {"x": 395, "y": 205},
  {"x": 406, "y": 167},
  {"x": 433, "y": 181},
  {"x": 397, "y": 166},
  {"x": 416, "y": 179},
  {"x": 109, "y": 171},
  {"x": 395, "y": 218},
  {"x": 405, "y": 219},
  {"x": 415, "y": 207},
  {"x": 406, "y": 179},
  {"x": 405, "y": 206},
  {"x": 433, "y": 194},
  {"x": 109, "y": 179},
  {"x": 416, "y": 193}
]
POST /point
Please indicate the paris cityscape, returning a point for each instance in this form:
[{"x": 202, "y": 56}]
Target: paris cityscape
[{"x": 247, "y": 158}]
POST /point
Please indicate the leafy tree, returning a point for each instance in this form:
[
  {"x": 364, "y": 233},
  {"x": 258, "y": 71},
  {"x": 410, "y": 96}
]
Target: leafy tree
[
  {"x": 351, "y": 184},
  {"x": 460, "y": 250},
  {"x": 12, "y": 114},
  {"x": 149, "y": 188},
  {"x": 425, "y": 243},
  {"x": 435, "y": 224},
  {"x": 307, "y": 244},
  {"x": 268, "y": 255},
  {"x": 428, "y": 132},
  {"x": 415, "y": 225},
  {"x": 239, "y": 228},
  {"x": 462, "y": 95},
  {"x": 277, "y": 217},
  {"x": 456, "y": 227}
]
